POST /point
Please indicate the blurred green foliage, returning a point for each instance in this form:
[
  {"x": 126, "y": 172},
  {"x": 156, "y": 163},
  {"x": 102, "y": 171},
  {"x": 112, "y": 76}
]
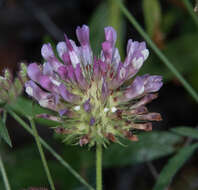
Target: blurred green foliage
[{"x": 152, "y": 15}]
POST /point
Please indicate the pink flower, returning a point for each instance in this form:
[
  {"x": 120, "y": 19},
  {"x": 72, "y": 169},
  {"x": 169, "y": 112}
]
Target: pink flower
[{"x": 89, "y": 93}]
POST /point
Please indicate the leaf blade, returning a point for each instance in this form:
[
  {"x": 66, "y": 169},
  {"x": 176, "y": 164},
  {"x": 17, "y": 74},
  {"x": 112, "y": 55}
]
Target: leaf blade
[
  {"x": 151, "y": 145},
  {"x": 186, "y": 131},
  {"x": 174, "y": 164},
  {"x": 4, "y": 133}
]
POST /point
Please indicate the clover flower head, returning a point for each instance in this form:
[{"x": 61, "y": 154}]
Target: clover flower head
[
  {"x": 10, "y": 87},
  {"x": 95, "y": 98}
]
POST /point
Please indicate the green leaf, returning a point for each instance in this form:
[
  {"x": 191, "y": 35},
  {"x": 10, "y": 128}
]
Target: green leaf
[
  {"x": 173, "y": 165},
  {"x": 186, "y": 131},
  {"x": 4, "y": 133},
  {"x": 151, "y": 145},
  {"x": 152, "y": 15}
]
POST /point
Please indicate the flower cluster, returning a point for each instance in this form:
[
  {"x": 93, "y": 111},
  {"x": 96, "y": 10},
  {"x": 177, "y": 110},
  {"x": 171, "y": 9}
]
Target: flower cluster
[
  {"x": 11, "y": 88},
  {"x": 94, "y": 97}
]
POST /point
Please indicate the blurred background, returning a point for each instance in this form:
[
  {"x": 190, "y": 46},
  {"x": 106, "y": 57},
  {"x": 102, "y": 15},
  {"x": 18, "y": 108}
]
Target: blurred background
[{"x": 26, "y": 24}]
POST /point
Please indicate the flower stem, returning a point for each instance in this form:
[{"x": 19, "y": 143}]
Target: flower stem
[
  {"x": 36, "y": 136},
  {"x": 50, "y": 149},
  {"x": 4, "y": 175},
  {"x": 98, "y": 167}
]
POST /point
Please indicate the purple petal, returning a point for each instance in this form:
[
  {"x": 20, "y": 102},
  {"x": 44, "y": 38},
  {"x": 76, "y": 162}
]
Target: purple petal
[
  {"x": 71, "y": 74},
  {"x": 32, "y": 89},
  {"x": 103, "y": 66},
  {"x": 83, "y": 35},
  {"x": 96, "y": 70},
  {"x": 105, "y": 91},
  {"x": 67, "y": 96},
  {"x": 62, "y": 71},
  {"x": 34, "y": 72},
  {"x": 136, "y": 89},
  {"x": 47, "y": 51},
  {"x": 73, "y": 51},
  {"x": 108, "y": 46},
  {"x": 63, "y": 52},
  {"x": 55, "y": 63},
  {"x": 80, "y": 78},
  {"x": 48, "y": 54},
  {"x": 61, "y": 49},
  {"x": 47, "y": 69},
  {"x": 68, "y": 43},
  {"x": 87, "y": 106},
  {"x": 116, "y": 59},
  {"x": 87, "y": 55},
  {"x": 152, "y": 83},
  {"x": 45, "y": 82},
  {"x": 63, "y": 112},
  {"x": 92, "y": 121},
  {"x": 49, "y": 102},
  {"x": 136, "y": 55},
  {"x": 120, "y": 77},
  {"x": 145, "y": 100},
  {"x": 45, "y": 99},
  {"x": 110, "y": 34},
  {"x": 122, "y": 72},
  {"x": 107, "y": 50}
]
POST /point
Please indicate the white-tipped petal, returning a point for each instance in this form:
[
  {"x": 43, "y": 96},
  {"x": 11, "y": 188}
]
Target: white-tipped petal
[
  {"x": 77, "y": 108},
  {"x": 145, "y": 53},
  {"x": 137, "y": 63},
  {"x": 55, "y": 82},
  {"x": 29, "y": 91},
  {"x": 61, "y": 48}
]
